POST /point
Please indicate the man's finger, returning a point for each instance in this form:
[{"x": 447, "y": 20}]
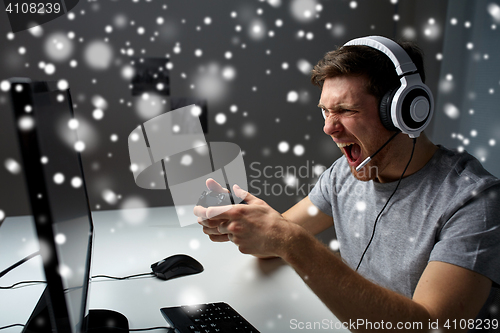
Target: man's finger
[
  {"x": 211, "y": 223},
  {"x": 213, "y": 186},
  {"x": 221, "y": 212},
  {"x": 200, "y": 211},
  {"x": 219, "y": 238},
  {"x": 223, "y": 228},
  {"x": 241, "y": 193},
  {"x": 211, "y": 231}
]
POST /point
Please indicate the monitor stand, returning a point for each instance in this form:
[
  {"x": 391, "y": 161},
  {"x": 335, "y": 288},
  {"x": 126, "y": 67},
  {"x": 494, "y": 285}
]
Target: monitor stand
[
  {"x": 39, "y": 320},
  {"x": 97, "y": 321}
]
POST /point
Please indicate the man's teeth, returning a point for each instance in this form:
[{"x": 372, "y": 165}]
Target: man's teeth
[{"x": 342, "y": 145}]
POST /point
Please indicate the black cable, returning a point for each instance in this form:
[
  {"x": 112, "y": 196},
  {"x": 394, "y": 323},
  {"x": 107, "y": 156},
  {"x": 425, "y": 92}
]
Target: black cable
[
  {"x": 170, "y": 329},
  {"x": 22, "y": 282},
  {"x": 20, "y": 262},
  {"x": 122, "y": 278},
  {"x": 110, "y": 277},
  {"x": 386, "y": 203},
  {"x": 96, "y": 276},
  {"x": 9, "y": 326}
]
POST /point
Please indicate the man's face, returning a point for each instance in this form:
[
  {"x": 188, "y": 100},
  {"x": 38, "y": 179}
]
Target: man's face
[{"x": 353, "y": 122}]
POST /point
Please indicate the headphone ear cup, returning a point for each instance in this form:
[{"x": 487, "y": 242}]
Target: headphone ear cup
[{"x": 385, "y": 110}]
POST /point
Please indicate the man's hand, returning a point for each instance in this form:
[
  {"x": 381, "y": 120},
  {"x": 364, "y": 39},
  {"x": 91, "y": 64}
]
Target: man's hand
[
  {"x": 255, "y": 228},
  {"x": 210, "y": 226}
]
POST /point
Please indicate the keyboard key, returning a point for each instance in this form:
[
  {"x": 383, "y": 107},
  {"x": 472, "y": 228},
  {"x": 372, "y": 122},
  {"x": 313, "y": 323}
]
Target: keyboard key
[
  {"x": 194, "y": 329},
  {"x": 208, "y": 318}
]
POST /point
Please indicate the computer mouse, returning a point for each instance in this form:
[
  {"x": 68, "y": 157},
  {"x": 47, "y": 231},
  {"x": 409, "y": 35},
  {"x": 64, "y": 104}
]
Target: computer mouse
[{"x": 176, "y": 266}]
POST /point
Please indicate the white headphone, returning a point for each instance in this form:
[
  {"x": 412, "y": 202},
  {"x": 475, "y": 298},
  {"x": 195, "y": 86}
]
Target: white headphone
[{"x": 409, "y": 107}]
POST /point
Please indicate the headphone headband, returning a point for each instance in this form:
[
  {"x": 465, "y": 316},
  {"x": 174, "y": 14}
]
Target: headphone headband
[{"x": 401, "y": 60}]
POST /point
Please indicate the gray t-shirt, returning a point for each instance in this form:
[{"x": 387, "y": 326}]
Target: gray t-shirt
[{"x": 448, "y": 211}]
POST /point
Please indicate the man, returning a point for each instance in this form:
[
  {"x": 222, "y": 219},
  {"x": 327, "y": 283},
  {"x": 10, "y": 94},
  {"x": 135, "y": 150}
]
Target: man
[{"x": 433, "y": 255}]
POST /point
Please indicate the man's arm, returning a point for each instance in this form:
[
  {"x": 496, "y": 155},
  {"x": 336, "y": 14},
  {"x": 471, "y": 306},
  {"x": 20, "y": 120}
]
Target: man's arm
[
  {"x": 305, "y": 214},
  {"x": 451, "y": 292},
  {"x": 444, "y": 291}
]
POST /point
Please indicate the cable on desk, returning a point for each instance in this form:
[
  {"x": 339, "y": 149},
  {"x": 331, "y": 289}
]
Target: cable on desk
[
  {"x": 9, "y": 326},
  {"x": 170, "y": 329},
  {"x": 122, "y": 278},
  {"x": 20, "y": 262},
  {"x": 96, "y": 276},
  {"x": 22, "y": 282}
]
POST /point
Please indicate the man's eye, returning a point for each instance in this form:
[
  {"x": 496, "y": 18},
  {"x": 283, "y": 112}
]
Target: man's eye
[{"x": 347, "y": 111}]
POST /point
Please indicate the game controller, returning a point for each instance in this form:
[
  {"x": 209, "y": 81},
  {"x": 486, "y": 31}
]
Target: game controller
[{"x": 210, "y": 199}]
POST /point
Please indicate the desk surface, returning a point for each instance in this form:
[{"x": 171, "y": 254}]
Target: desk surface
[{"x": 267, "y": 293}]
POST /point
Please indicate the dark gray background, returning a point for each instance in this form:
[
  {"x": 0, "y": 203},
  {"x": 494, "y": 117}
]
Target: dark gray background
[{"x": 264, "y": 117}]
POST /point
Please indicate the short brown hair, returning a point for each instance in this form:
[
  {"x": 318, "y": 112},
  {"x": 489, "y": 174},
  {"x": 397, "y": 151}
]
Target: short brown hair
[{"x": 364, "y": 60}]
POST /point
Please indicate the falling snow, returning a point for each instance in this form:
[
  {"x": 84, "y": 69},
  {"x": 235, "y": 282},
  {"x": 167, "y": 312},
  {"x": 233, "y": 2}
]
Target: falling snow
[
  {"x": 251, "y": 65},
  {"x": 109, "y": 196},
  {"x": 26, "y": 123},
  {"x": 451, "y": 111},
  {"x": 312, "y": 210},
  {"x": 334, "y": 245},
  {"x": 12, "y": 166},
  {"x": 58, "y": 178},
  {"x": 283, "y": 147},
  {"x": 60, "y": 238},
  {"x": 5, "y": 86},
  {"x": 76, "y": 182}
]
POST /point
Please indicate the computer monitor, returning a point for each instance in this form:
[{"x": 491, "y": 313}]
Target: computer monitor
[{"x": 49, "y": 146}]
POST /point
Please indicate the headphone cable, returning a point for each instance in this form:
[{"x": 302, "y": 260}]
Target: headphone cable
[{"x": 386, "y": 203}]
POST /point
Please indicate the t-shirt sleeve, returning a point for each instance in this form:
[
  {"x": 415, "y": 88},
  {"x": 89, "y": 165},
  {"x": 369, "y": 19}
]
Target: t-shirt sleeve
[
  {"x": 321, "y": 194},
  {"x": 470, "y": 237}
]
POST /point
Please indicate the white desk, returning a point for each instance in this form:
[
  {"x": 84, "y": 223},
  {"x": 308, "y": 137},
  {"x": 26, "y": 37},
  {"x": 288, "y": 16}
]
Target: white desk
[{"x": 267, "y": 293}]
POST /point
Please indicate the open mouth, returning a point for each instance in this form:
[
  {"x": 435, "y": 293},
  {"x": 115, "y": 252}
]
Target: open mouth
[{"x": 352, "y": 151}]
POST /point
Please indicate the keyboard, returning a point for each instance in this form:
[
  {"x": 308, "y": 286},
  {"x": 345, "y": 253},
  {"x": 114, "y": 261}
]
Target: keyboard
[{"x": 207, "y": 318}]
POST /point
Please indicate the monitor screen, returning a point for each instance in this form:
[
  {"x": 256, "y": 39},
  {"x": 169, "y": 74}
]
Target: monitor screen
[{"x": 52, "y": 167}]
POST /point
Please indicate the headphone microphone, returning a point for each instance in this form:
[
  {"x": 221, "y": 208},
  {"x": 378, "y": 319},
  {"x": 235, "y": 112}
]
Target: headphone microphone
[{"x": 369, "y": 158}]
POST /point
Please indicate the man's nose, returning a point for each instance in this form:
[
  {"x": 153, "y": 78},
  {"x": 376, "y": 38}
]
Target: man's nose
[{"x": 332, "y": 125}]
